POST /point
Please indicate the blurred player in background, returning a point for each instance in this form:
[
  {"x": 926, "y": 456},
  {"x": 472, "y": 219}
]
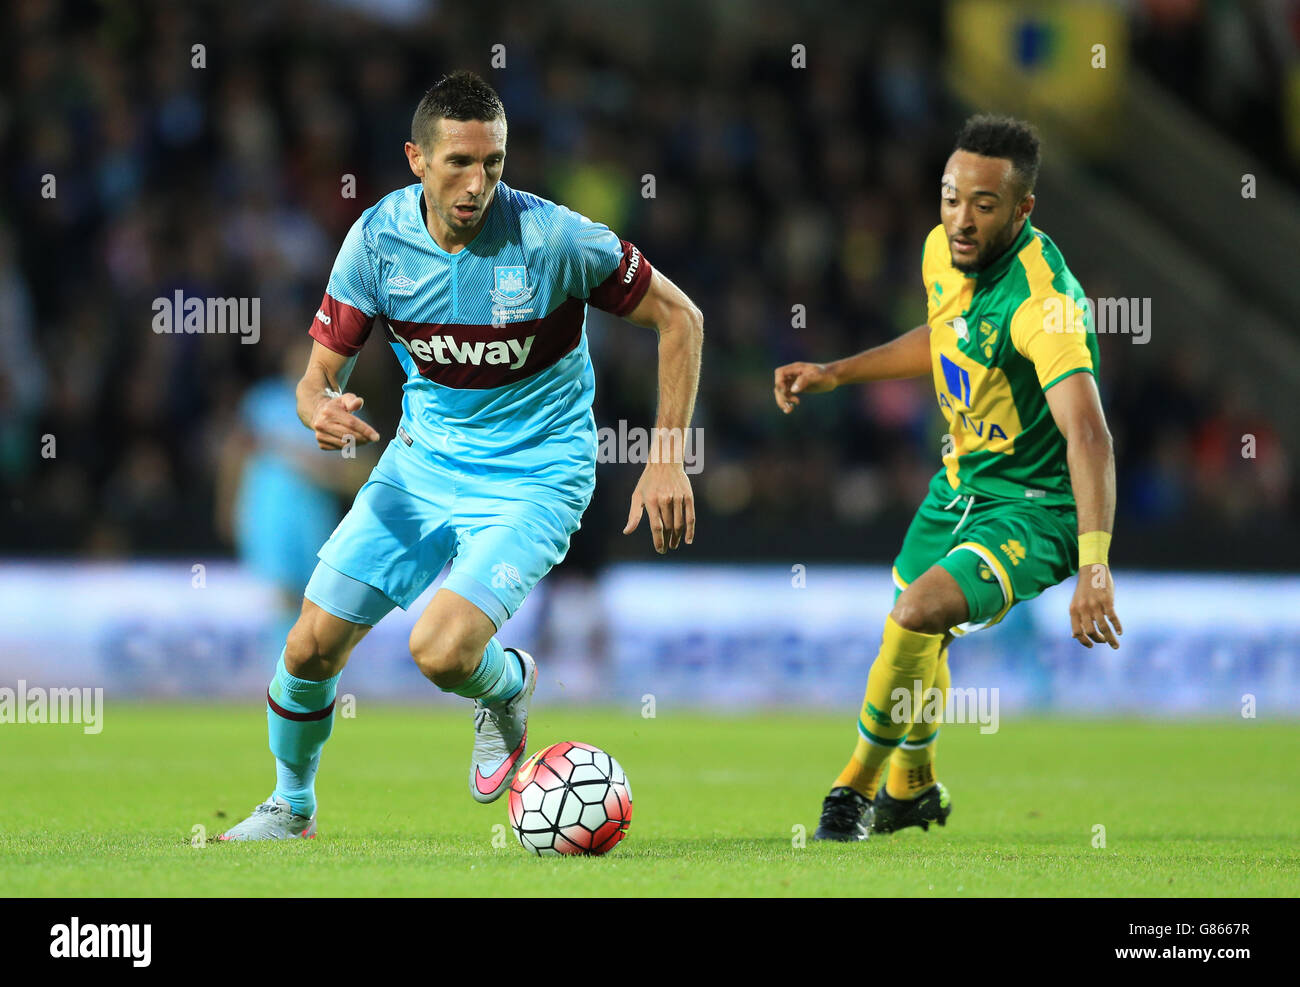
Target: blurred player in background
[
  {"x": 482, "y": 290},
  {"x": 1026, "y": 494},
  {"x": 277, "y": 497}
]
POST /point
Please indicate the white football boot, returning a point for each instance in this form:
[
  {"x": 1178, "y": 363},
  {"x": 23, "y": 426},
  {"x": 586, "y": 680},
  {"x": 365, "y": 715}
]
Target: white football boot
[
  {"x": 274, "y": 819},
  {"x": 501, "y": 737}
]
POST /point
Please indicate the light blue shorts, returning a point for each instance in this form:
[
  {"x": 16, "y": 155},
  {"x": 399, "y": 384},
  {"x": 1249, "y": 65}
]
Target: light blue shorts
[{"x": 501, "y": 531}]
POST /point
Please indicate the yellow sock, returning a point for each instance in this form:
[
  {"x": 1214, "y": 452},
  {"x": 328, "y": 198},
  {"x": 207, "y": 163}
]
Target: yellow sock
[
  {"x": 857, "y": 775},
  {"x": 907, "y": 660},
  {"x": 911, "y": 765}
]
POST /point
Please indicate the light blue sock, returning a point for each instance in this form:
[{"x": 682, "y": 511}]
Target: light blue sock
[
  {"x": 498, "y": 678},
  {"x": 299, "y": 719},
  {"x": 296, "y": 784}
]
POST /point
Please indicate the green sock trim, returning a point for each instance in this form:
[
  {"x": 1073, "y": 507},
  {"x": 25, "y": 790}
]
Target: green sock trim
[
  {"x": 879, "y": 741},
  {"x": 916, "y": 745}
]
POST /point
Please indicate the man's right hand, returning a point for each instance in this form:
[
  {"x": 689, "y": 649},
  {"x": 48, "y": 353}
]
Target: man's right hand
[
  {"x": 801, "y": 378},
  {"x": 335, "y": 420}
]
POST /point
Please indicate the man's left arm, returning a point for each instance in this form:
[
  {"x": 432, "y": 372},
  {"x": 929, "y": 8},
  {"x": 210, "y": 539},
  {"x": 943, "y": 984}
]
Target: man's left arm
[
  {"x": 1076, "y": 407},
  {"x": 611, "y": 274},
  {"x": 664, "y": 491}
]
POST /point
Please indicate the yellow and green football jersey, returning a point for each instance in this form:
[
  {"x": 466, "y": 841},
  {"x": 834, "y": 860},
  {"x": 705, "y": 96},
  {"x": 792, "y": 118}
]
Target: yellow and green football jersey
[{"x": 998, "y": 340}]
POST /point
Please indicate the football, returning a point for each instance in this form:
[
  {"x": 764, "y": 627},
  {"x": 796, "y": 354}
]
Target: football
[{"x": 570, "y": 798}]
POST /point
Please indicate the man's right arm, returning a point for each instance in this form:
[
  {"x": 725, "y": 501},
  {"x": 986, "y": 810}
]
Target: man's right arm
[
  {"x": 341, "y": 326},
  {"x": 906, "y": 356},
  {"x": 322, "y": 408}
]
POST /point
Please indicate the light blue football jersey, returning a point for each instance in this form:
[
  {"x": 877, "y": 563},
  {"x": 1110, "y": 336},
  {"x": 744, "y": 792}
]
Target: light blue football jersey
[{"x": 492, "y": 338}]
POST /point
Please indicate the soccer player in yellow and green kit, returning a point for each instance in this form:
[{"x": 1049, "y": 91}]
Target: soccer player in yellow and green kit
[{"x": 1026, "y": 494}]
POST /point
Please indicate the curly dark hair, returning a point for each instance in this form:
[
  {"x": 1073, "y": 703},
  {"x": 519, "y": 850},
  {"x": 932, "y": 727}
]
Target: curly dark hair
[
  {"x": 461, "y": 95},
  {"x": 1003, "y": 137}
]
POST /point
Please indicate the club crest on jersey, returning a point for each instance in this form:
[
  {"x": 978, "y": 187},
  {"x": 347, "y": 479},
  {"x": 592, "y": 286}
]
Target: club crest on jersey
[
  {"x": 988, "y": 337},
  {"x": 510, "y": 285}
]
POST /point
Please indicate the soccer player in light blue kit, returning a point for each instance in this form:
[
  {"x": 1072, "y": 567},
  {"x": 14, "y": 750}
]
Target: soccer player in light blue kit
[{"x": 482, "y": 291}]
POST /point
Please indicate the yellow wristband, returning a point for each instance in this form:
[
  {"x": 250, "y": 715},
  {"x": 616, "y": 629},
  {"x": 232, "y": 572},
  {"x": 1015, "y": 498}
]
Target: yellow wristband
[{"x": 1093, "y": 548}]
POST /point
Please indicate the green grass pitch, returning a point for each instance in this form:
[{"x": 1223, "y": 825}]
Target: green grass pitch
[{"x": 1189, "y": 809}]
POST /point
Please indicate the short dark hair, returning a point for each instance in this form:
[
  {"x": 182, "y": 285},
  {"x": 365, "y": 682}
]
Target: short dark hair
[
  {"x": 461, "y": 95},
  {"x": 1003, "y": 137}
]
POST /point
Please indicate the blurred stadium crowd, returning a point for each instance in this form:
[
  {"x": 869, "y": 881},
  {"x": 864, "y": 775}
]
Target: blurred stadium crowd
[{"x": 774, "y": 188}]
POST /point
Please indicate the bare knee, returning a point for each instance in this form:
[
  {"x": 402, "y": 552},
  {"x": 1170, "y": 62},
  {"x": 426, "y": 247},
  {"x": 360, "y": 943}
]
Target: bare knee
[
  {"x": 920, "y": 615},
  {"x": 932, "y": 604},
  {"x": 319, "y": 644},
  {"x": 445, "y": 657}
]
